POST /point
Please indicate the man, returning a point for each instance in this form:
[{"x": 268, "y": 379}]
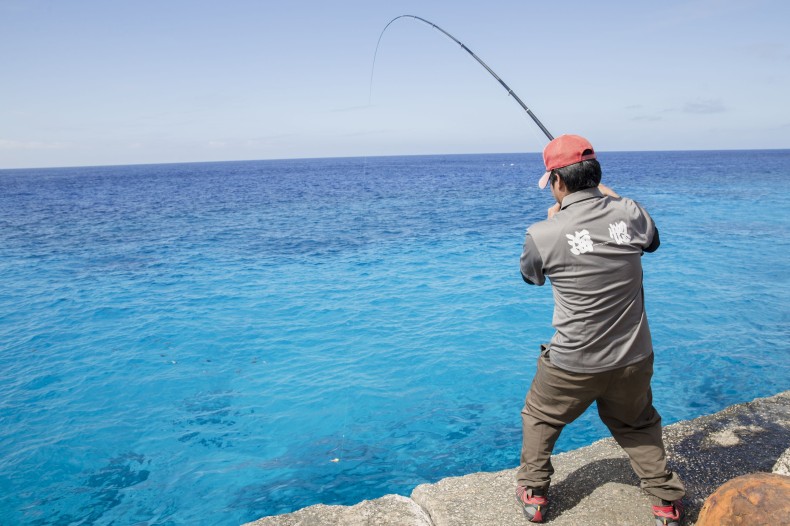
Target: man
[{"x": 590, "y": 247}]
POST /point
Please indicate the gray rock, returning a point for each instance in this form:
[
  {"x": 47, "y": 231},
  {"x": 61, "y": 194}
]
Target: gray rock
[
  {"x": 390, "y": 510},
  {"x": 782, "y": 466},
  {"x": 480, "y": 498}
]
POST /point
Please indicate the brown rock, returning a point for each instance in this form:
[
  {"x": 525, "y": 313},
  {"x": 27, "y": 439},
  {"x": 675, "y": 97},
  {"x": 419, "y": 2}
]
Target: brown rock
[{"x": 754, "y": 499}]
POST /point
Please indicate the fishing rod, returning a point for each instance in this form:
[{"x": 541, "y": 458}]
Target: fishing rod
[{"x": 491, "y": 71}]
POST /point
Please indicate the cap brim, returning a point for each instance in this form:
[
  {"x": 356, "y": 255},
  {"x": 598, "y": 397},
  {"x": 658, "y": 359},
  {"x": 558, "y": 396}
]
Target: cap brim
[{"x": 544, "y": 180}]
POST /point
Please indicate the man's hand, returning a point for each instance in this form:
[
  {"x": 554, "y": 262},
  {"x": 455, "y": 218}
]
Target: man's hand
[
  {"x": 553, "y": 210},
  {"x": 605, "y": 190}
]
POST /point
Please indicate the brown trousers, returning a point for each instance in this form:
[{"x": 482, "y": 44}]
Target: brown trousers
[{"x": 625, "y": 404}]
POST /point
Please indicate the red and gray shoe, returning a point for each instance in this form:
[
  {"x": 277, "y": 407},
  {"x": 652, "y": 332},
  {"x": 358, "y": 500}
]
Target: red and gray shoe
[
  {"x": 533, "y": 506},
  {"x": 669, "y": 515}
]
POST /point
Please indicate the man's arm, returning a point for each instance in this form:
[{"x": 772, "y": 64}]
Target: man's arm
[{"x": 531, "y": 263}]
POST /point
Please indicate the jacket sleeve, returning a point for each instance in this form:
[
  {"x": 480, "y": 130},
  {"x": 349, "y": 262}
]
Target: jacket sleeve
[
  {"x": 653, "y": 246},
  {"x": 646, "y": 232},
  {"x": 531, "y": 263}
]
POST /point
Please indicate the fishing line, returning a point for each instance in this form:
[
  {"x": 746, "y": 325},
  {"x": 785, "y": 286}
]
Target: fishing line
[
  {"x": 341, "y": 447},
  {"x": 491, "y": 71}
]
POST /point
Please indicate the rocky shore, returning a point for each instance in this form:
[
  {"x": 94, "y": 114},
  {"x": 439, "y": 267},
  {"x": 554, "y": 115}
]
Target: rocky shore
[{"x": 593, "y": 484}]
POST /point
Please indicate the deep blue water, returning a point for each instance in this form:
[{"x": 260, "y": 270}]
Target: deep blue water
[{"x": 211, "y": 343}]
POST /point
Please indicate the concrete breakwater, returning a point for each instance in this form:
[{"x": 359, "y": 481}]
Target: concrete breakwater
[{"x": 593, "y": 484}]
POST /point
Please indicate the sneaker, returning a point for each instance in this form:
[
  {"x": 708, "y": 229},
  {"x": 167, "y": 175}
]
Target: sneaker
[
  {"x": 669, "y": 515},
  {"x": 533, "y": 506}
]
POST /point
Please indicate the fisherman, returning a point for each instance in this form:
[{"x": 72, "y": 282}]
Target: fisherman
[{"x": 590, "y": 247}]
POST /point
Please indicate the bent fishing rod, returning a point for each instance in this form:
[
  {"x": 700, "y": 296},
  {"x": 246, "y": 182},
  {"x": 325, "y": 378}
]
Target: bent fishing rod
[{"x": 491, "y": 71}]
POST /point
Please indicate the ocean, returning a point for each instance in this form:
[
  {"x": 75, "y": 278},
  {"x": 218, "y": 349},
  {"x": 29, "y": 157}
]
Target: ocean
[{"x": 210, "y": 343}]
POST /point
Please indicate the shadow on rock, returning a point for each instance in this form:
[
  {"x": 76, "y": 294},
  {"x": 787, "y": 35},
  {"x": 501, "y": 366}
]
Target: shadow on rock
[{"x": 568, "y": 493}]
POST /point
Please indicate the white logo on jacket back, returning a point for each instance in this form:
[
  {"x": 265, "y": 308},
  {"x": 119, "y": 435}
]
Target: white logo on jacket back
[
  {"x": 580, "y": 243},
  {"x": 619, "y": 232}
]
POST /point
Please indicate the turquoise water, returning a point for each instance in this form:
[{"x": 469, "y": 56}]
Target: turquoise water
[{"x": 211, "y": 343}]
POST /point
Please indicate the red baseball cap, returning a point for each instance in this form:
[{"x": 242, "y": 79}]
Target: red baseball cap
[{"x": 564, "y": 151}]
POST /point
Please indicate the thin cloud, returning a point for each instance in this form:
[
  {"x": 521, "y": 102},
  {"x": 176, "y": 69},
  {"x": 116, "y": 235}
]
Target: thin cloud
[
  {"x": 704, "y": 107},
  {"x": 252, "y": 142},
  {"x": 365, "y": 133},
  {"x": 6, "y": 144},
  {"x": 350, "y": 108},
  {"x": 772, "y": 51}
]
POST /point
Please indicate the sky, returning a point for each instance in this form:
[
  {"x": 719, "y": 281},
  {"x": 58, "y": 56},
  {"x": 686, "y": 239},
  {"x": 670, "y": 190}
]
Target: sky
[{"x": 135, "y": 82}]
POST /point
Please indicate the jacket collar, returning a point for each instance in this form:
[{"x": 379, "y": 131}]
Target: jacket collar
[{"x": 581, "y": 195}]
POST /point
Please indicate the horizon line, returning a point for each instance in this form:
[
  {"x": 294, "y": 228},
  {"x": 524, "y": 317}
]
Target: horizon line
[{"x": 378, "y": 156}]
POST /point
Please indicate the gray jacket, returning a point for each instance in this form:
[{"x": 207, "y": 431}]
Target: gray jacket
[{"x": 591, "y": 251}]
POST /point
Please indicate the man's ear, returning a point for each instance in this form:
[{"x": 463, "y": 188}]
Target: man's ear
[{"x": 560, "y": 183}]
